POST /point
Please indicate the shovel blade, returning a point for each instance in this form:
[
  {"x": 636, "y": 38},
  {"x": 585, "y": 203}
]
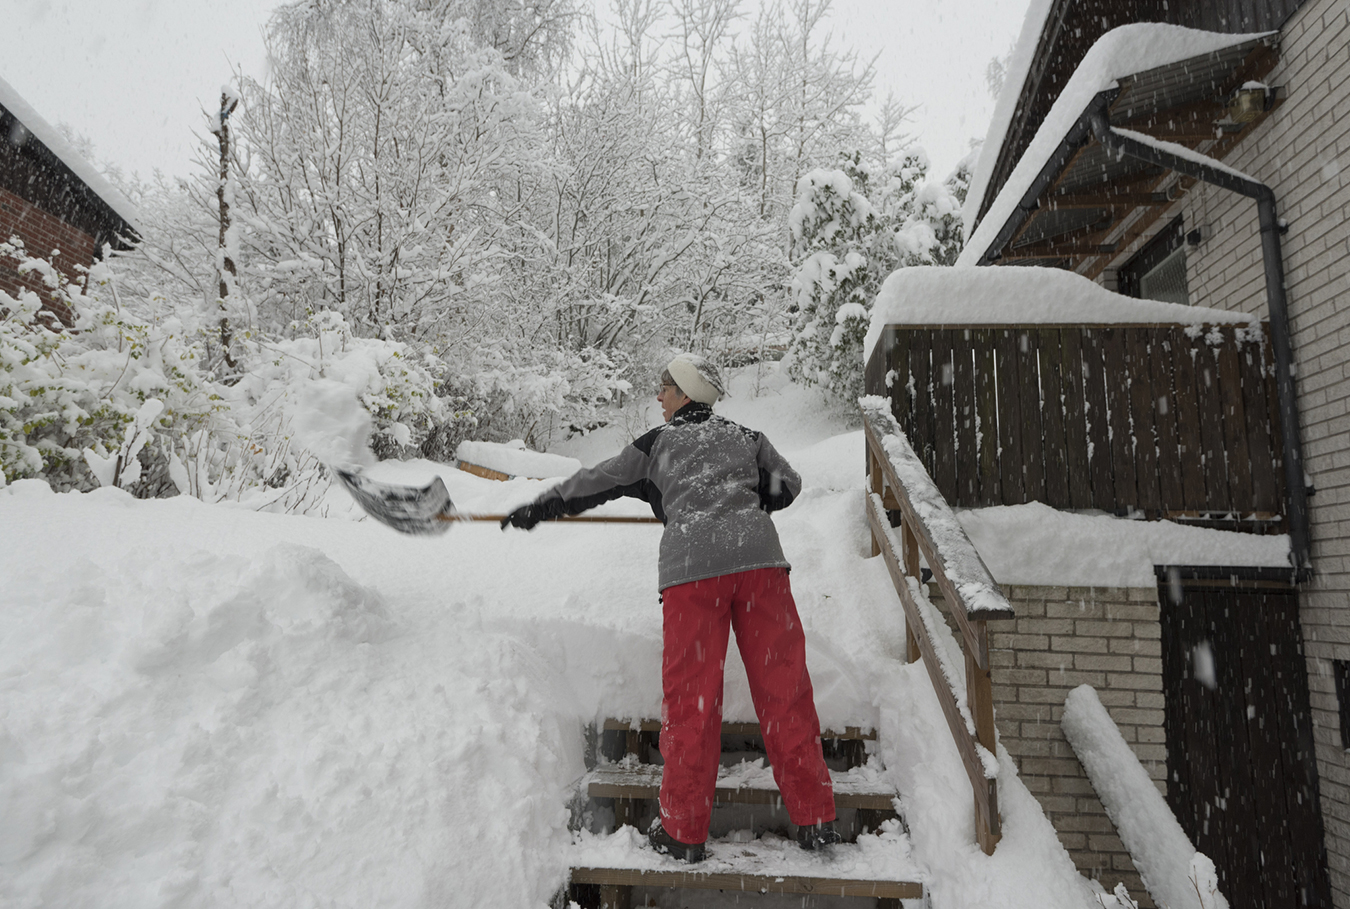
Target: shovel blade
[{"x": 419, "y": 510}]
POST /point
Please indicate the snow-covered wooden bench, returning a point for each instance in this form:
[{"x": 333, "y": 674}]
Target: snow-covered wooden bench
[{"x": 505, "y": 461}]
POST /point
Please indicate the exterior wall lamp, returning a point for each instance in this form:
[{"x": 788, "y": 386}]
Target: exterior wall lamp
[{"x": 1250, "y": 101}]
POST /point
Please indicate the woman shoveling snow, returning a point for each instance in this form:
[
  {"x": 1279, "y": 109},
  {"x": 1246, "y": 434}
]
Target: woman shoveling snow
[{"x": 713, "y": 483}]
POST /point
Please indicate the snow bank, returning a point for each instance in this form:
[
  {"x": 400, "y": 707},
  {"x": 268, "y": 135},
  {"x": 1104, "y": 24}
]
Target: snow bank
[
  {"x": 209, "y": 706},
  {"x": 45, "y": 133},
  {"x": 514, "y": 459},
  {"x": 1175, "y": 874},
  {"x": 1031, "y": 295},
  {"x": 1039, "y": 545},
  {"x": 1120, "y": 52}
]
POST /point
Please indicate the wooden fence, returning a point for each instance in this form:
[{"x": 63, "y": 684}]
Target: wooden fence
[{"x": 1166, "y": 420}]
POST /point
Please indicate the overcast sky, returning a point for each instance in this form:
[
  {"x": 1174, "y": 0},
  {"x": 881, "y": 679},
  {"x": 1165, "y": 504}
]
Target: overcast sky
[{"x": 134, "y": 75}]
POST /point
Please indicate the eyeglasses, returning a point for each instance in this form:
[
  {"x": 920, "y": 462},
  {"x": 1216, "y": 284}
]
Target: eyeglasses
[{"x": 662, "y": 387}]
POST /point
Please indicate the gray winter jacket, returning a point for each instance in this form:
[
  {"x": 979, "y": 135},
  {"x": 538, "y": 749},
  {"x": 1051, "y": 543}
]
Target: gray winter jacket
[{"x": 712, "y": 482}]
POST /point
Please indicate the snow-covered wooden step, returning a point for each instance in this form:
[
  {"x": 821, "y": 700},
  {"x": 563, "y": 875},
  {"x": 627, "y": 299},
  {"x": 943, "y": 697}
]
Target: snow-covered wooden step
[
  {"x": 745, "y": 729},
  {"x": 877, "y": 866},
  {"x": 749, "y": 783}
]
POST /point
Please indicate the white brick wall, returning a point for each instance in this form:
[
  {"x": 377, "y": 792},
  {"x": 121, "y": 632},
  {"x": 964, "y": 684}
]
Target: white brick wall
[
  {"x": 1303, "y": 151},
  {"x": 1109, "y": 638}
]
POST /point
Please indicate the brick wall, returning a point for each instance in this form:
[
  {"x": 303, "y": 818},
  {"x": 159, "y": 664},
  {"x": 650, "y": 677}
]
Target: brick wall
[
  {"x": 41, "y": 233},
  {"x": 1303, "y": 152},
  {"x": 1063, "y": 637}
]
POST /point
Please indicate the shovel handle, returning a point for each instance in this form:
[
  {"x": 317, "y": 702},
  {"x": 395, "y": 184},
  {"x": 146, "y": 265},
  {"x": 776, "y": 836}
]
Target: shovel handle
[{"x": 585, "y": 518}]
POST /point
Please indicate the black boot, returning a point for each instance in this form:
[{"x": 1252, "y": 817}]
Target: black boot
[
  {"x": 818, "y": 836},
  {"x": 666, "y": 844}
]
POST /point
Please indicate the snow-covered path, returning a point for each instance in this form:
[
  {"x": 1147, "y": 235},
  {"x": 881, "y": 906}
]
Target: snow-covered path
[{"x": 205, "y": 706}]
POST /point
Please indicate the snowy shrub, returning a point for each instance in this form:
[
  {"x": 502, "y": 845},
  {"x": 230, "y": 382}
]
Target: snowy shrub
[
  {"x": 830, "y": 225},
  {"x": 92, "y": 403},
  {"x": 114, "y": 400},
  {"x": 851, "y": 228},
  {"x": 500, "y": 395},
  {"x": 390, "y": 379}
]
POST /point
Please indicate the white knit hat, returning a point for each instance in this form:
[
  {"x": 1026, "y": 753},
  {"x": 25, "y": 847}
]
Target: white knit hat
[{"x": 697, "y": 377}]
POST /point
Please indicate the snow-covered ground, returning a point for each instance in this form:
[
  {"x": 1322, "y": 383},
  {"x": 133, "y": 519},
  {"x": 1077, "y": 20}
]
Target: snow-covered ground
[{"x": 206, "y": 706}]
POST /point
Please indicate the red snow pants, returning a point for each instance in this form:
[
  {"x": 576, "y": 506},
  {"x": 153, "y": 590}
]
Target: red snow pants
[{"x": 698, "y": 616}]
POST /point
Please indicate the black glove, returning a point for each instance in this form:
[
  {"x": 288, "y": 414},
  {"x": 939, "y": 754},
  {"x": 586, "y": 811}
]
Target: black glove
[{"x": 526, "y": 516}]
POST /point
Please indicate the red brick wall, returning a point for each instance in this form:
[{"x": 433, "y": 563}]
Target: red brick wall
[{"x": 41, "y": 233}]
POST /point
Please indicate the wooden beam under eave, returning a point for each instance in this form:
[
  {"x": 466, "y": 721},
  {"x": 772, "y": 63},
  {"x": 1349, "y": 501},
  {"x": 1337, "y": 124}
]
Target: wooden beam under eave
[
  {"x": 1210, "y": 110},
  {"x": 1140, "y": 227},
  {"x": 1049, "y": 190},
  {"x": 1060, "y": 253},
  {"x": 1107, "y": 199},
  {"x": 1091, "y": 244}
]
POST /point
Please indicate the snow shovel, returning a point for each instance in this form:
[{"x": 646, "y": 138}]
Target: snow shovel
[{"x": 427, "y": 510}]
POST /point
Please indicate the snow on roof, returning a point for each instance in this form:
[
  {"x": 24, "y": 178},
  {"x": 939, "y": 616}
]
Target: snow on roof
[
  {"x": 49, "y": 136},
  {"x": 1120, "y": 52},
  {"x": 1013, "y": 83},
  {"x": 1023, "y": 295}
]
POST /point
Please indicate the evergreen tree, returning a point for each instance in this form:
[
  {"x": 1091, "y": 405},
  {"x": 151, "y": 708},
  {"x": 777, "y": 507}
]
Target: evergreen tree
[{"x": 844, "y": 247}]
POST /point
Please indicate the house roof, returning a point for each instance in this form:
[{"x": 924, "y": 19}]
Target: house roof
[
  {"x": 1069, "y": 202},
  {"x": 1055, "y": 37},
  {"x": 31, "y": 127}
]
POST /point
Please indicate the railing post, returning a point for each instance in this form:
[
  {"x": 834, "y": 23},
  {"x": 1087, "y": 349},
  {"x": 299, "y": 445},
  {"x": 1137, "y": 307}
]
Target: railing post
[
  {"x": 980, "y": 699},
  {"x": 980, "y": 687},
  {"x": 874, "y": 484},
  {"x": 910, "y": 545}
]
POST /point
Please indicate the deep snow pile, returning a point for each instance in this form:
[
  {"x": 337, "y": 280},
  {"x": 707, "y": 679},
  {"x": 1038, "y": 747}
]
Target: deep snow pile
[{"x": 202, "y": 705}]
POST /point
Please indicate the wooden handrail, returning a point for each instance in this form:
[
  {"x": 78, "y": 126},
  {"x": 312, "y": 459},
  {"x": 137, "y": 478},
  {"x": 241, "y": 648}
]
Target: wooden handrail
[{"x": 898, "y": 481}]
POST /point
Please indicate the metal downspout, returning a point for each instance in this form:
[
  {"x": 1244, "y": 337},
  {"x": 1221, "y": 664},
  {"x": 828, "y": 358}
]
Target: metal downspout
[{"x": 1300, "y": 537}]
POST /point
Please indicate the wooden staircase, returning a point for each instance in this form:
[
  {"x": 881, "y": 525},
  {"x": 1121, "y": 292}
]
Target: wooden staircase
[{"x": 751, "y": 849}]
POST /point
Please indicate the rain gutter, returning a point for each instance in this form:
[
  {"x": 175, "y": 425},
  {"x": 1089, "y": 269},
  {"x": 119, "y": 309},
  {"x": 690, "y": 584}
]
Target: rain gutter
[{"x": 1209, "y": 171}]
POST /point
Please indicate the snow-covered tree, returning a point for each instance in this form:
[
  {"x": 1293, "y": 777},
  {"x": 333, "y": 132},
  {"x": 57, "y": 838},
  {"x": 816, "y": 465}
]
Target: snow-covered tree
[
  {"x": 369, "y": 166},
  {"x": 831, "y": 226},
  {"x": 797, "y": 101},
  {"x": 851, "y": 228}
]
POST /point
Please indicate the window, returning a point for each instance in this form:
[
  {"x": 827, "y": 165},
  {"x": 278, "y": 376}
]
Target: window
[
  {"x": 1158, "y": 271},
  {"x": 1167, "y": 280}
]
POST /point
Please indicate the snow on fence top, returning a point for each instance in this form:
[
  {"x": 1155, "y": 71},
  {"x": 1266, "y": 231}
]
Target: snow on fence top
[
  {"x": 1120, "y": 52},
  {"x": 961, "y": 563},
  {"x": 1175, "y": 874},
  {"x": 45, "y": 133},
  {"x": 1028, "y": 295},
  {"x": 514, "y": 459}
]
